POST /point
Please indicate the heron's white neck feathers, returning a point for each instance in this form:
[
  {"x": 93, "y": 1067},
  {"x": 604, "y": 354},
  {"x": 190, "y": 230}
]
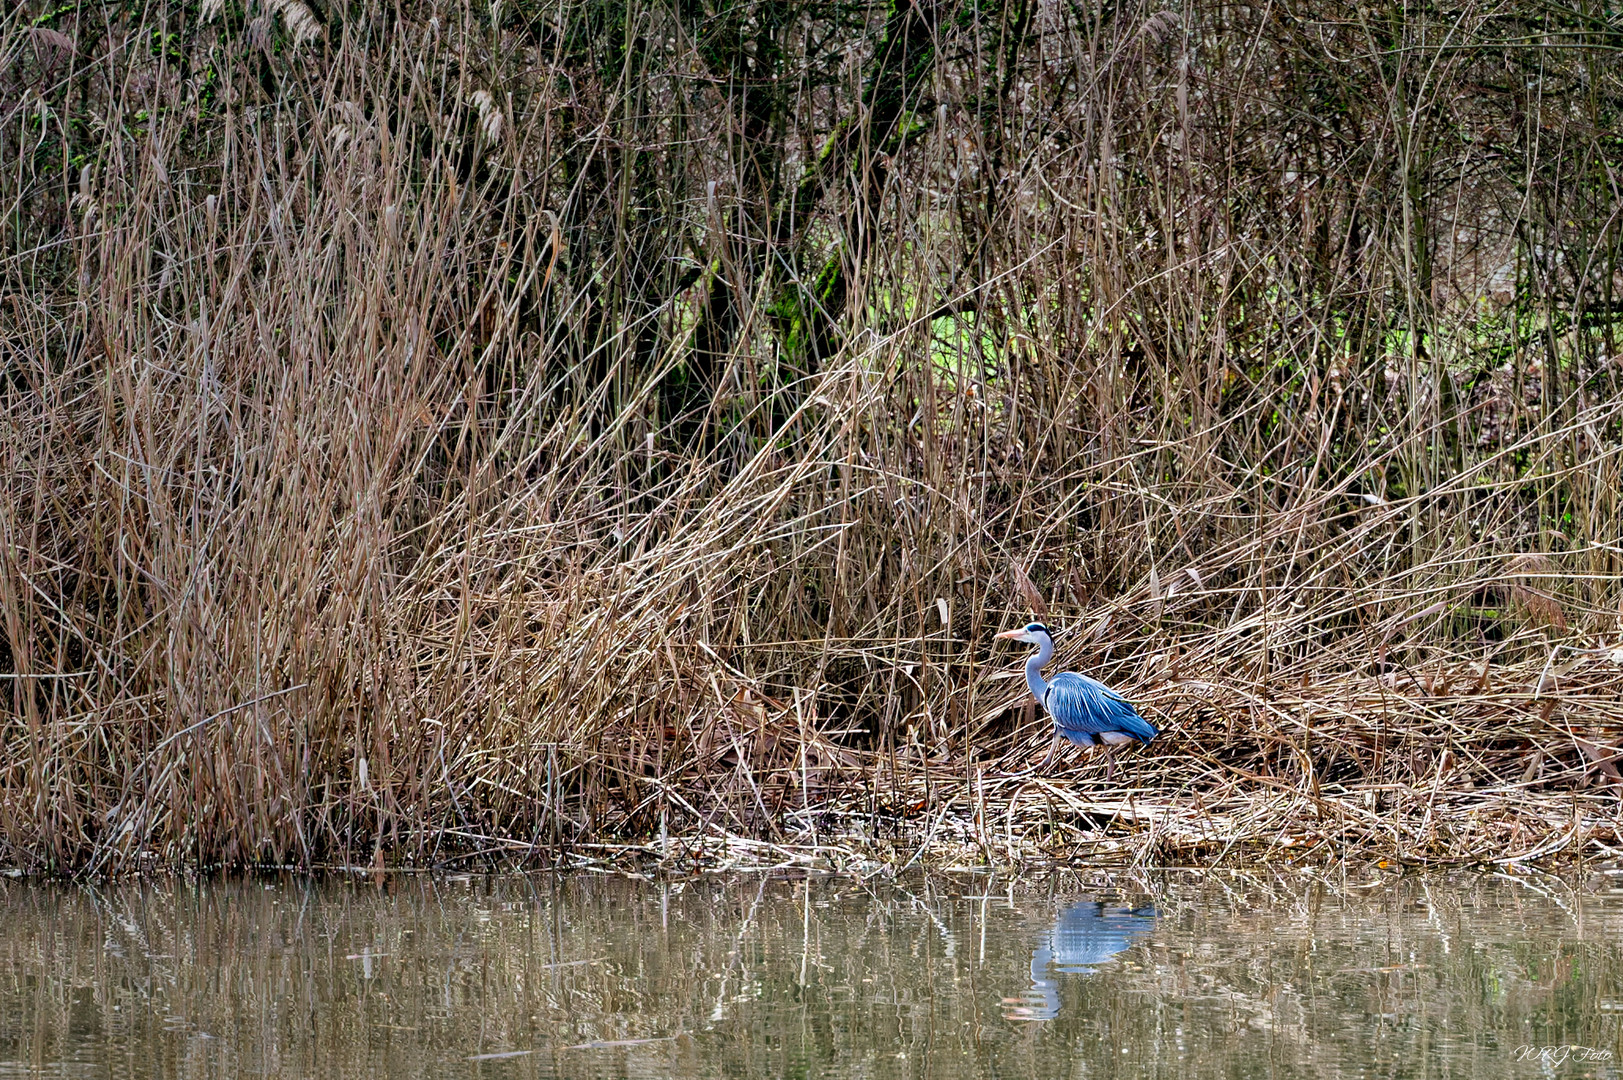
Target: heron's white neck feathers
[{"x": 1034, "y": 666}]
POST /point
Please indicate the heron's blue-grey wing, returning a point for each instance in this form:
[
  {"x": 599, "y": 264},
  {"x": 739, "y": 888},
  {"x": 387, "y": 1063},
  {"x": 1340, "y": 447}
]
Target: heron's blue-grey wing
[{"x": 1084, "y": 708}]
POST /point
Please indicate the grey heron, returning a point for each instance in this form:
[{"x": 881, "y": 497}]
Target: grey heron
[{"x": 1085, "y": 711}]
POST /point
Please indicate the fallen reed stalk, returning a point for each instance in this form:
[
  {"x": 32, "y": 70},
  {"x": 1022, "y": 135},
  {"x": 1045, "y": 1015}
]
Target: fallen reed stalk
[{"x": 443, "y": 433}]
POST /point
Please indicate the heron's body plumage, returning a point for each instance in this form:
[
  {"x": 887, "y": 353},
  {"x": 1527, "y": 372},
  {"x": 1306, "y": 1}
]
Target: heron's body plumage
[{"x": 1086, "y": 711}]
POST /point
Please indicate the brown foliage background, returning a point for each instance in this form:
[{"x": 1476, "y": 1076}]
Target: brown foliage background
[{"x": 436, "y": 429}]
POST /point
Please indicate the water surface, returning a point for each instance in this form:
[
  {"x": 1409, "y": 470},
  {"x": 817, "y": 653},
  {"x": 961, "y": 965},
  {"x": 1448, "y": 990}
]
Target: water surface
[{"x": 945, "y": 977}]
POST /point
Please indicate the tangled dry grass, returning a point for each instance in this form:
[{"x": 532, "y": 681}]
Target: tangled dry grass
[{"x": 437, "y": 434}]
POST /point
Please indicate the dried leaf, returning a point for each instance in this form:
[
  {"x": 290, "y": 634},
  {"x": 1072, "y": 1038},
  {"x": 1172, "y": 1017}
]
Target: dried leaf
[{"x": 1028, "y": 591}]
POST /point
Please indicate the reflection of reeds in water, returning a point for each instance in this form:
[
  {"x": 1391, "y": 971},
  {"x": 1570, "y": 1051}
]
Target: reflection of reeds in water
[
  {"x": 440, "y": 442},
  {"x": 594, "y": 976}
]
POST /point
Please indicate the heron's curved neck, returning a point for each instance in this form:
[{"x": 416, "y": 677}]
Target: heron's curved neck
[{"x": 1034, "y": 667}]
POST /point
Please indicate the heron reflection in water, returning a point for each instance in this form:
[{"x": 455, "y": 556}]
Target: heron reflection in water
[{"x": 1085, "y": 935}]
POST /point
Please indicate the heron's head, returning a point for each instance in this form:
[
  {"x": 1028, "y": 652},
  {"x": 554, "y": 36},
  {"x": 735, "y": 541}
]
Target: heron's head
[{"x": 1031, "y": 633}]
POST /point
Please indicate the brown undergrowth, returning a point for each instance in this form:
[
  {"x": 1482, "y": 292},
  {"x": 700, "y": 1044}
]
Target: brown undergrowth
[{"x": 435, "y": 434}]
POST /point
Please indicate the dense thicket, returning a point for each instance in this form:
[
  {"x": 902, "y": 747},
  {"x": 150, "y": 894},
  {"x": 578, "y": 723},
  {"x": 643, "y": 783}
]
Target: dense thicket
[{"x": 435, "y": 427}]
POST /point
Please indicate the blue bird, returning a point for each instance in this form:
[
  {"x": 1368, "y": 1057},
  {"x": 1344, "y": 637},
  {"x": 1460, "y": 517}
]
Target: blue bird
[{"x": 1085, "y": 710}]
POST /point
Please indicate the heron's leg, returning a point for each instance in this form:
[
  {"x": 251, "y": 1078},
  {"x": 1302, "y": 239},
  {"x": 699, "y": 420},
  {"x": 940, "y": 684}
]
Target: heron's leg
[
  {"x": 1053, "y": 748},
  {"x": 1110, "y": 740}
]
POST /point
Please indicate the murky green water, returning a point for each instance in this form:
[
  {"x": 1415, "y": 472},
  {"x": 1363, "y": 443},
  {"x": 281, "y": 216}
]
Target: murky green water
[{"x": 969, "y": 976}]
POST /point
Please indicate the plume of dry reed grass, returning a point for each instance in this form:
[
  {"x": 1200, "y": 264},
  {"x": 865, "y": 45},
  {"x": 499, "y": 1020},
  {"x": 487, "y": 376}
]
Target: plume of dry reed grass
[{"x": 409, "y": 453}]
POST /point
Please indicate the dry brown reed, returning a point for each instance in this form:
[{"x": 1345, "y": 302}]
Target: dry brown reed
[{"x": 438, "y": 432}]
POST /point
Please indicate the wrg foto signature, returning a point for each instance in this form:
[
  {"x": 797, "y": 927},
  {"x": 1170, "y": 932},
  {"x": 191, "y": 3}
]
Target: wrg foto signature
[{"x": 1556, "y": 1055}]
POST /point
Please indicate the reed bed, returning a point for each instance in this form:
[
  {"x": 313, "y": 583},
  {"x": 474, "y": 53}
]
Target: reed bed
[{"x": 436, "y": 433}]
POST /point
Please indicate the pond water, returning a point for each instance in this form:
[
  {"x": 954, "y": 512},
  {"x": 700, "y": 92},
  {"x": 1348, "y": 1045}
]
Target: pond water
[{"x": 935, "y": 977}]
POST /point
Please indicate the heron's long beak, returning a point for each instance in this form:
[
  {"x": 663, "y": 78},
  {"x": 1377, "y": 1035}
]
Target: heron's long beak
[{"x": 1009, "y": 635}]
